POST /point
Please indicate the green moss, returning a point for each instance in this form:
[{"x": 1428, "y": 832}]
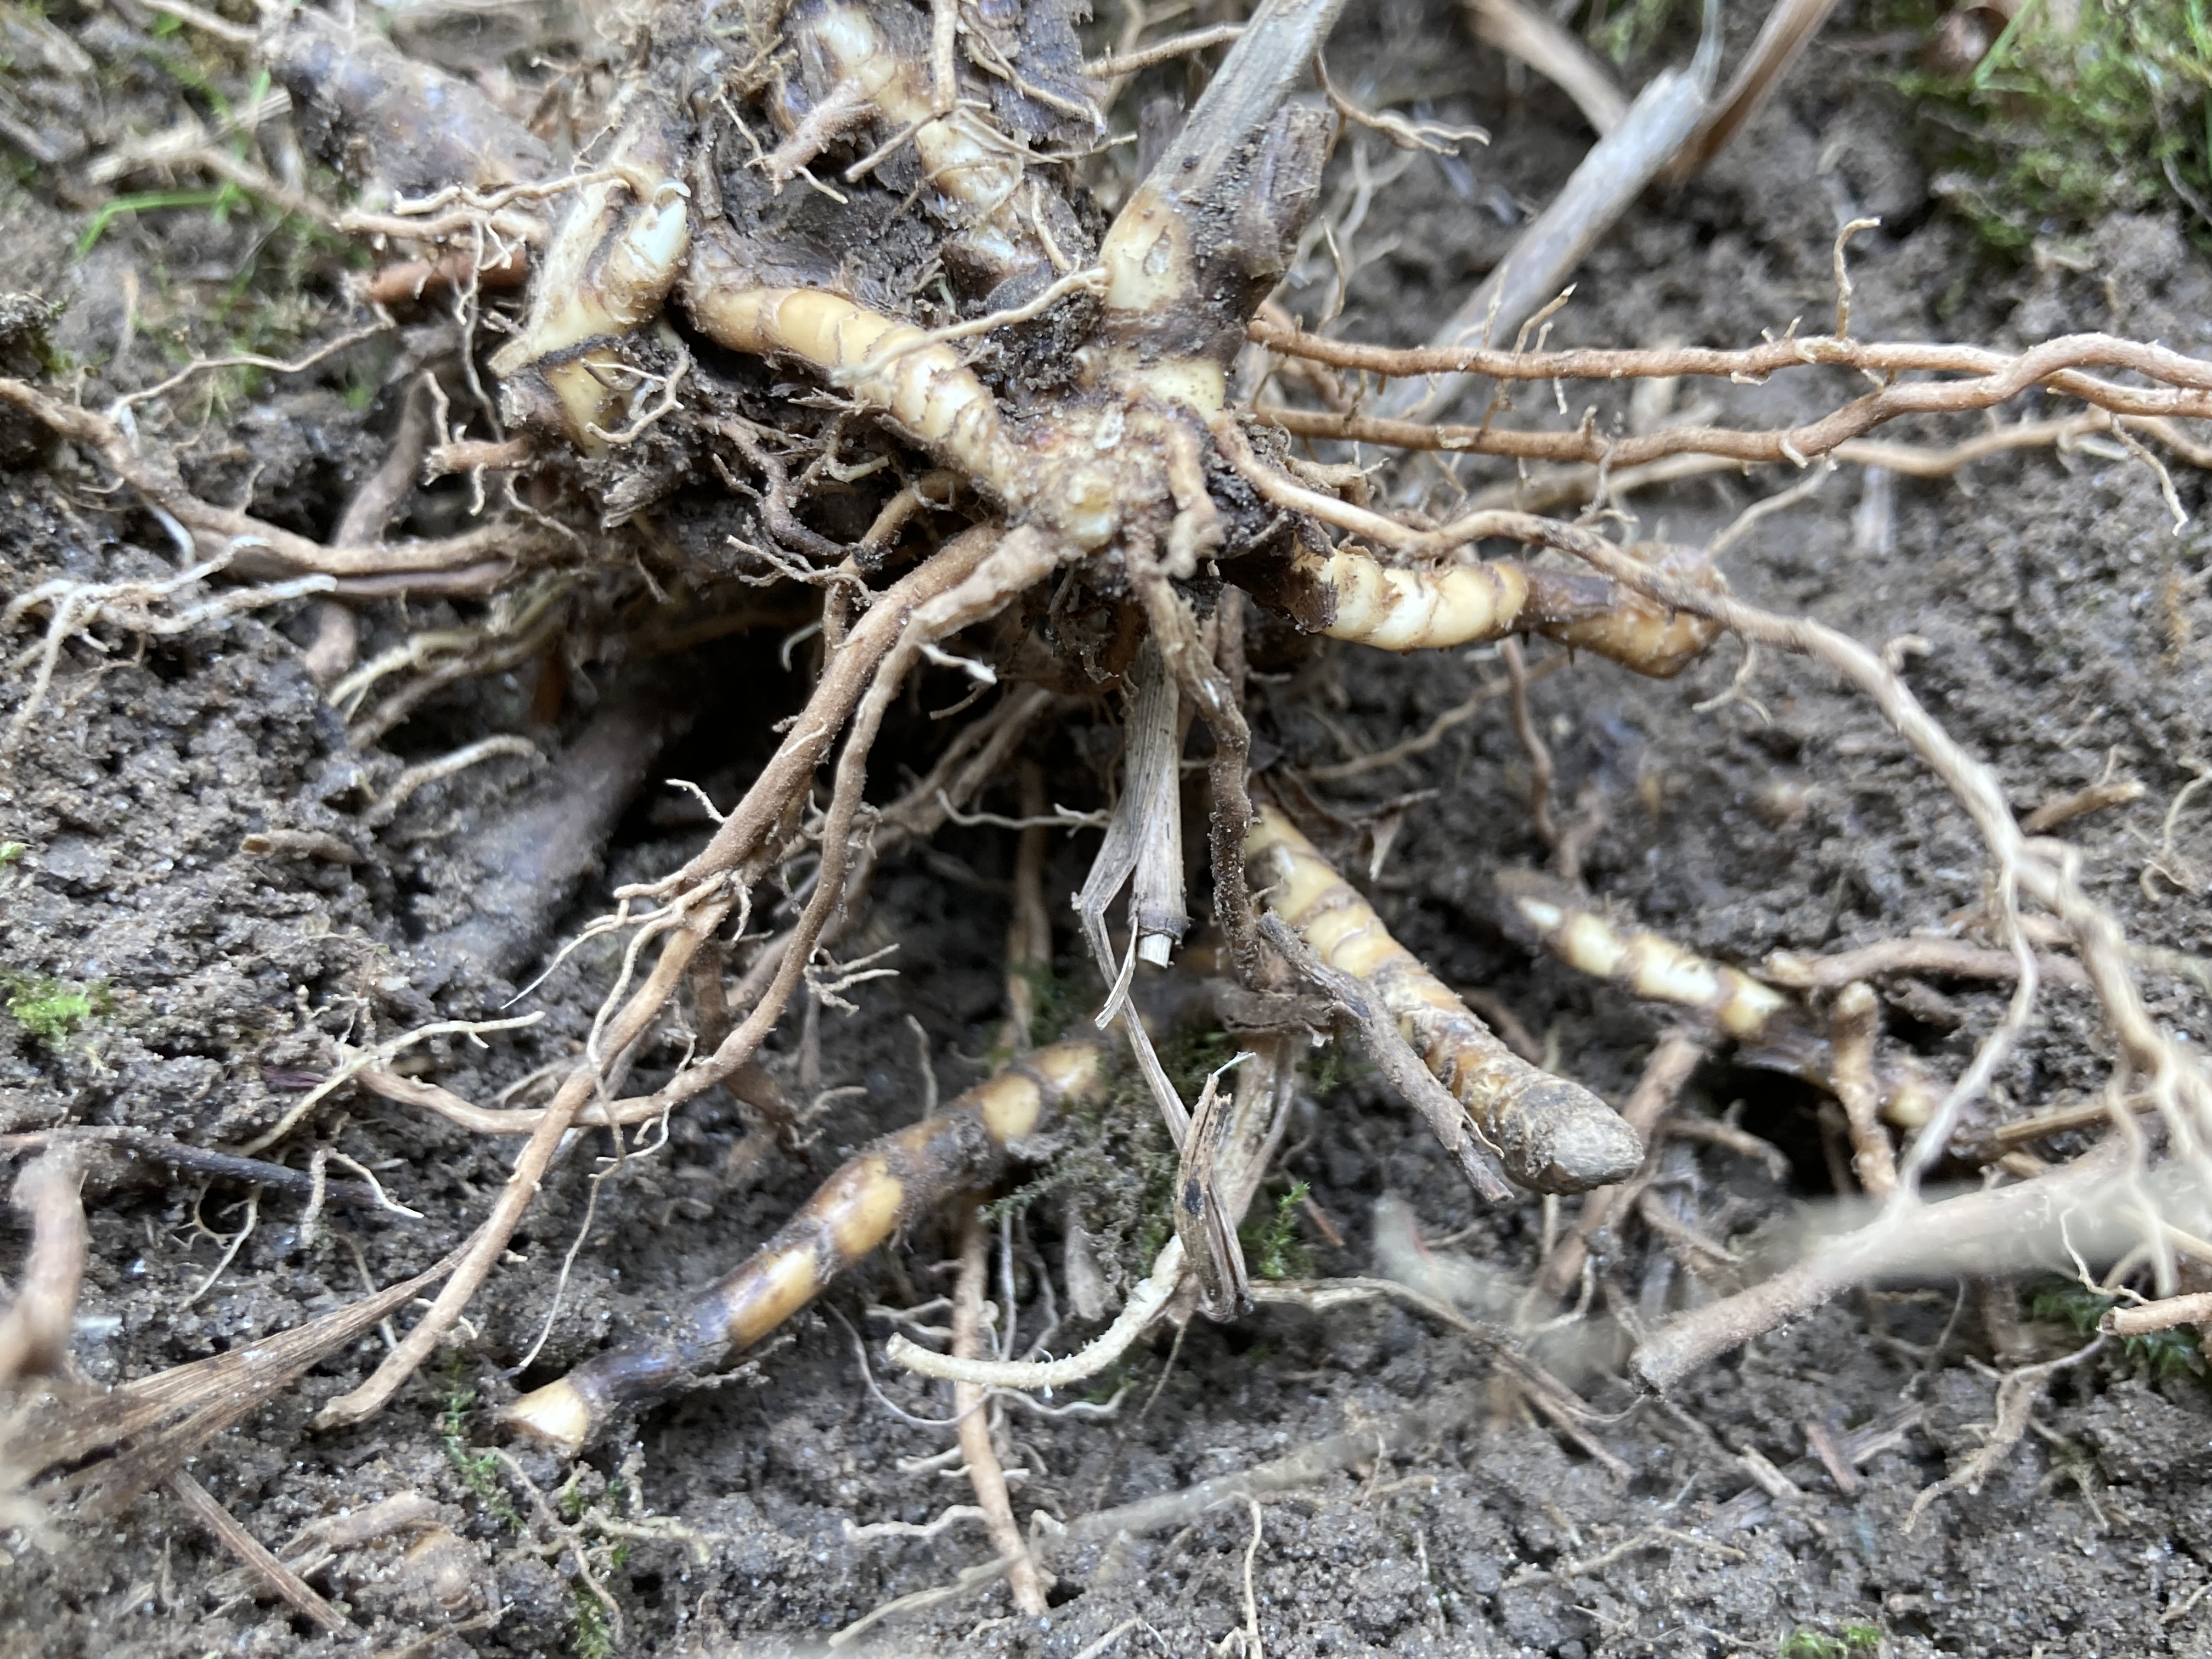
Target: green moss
[
  {"x": 1633, "y": 30},
  {"x": 10, "y": 851},
  {"x": 1190, "y": 1057},
  {"x": 2081, "y": 108},
  {"x": 1804, "y": 1643},
  {"x": 1275, "y": 1248},
  {"x": 478, "y": 1471},
  {"x": 2168, "y": 1353},
  {"x": 591, "y": 1633},
  {"x": 52, "y": 1009}
]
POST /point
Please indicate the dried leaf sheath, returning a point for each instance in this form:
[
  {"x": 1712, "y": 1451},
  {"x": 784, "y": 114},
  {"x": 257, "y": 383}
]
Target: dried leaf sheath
[
  {"x": 1551, "y": 1136},
  {"x": 889, "y": 1182}
]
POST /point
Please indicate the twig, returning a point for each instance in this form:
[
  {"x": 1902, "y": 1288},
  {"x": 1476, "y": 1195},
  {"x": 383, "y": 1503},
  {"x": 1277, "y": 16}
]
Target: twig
[
  {"x": 1990, "y": 1231},
  {"x": 1543, "y": 258},
  {"x": 2193, "y": 1310},
  {"x": 1523, "y": 31},
  {"x": 124, "y": 1141},
  {"x": 296, "y": 1592},
  {"x": 1789, "y": 29}
]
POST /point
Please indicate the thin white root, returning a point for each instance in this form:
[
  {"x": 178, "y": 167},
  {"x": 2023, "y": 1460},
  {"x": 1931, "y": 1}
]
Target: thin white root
[
  {"x": 1144, "y": 1305},
  {"x": 387, "y": 806},
  {"x": 985, "y": 1472}
]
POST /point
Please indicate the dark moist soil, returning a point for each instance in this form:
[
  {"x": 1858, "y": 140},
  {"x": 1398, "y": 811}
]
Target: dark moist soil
[{"x": 2063, "y": 623}]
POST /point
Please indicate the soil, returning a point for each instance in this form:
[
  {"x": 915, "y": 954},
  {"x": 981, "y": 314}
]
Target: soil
[{"x": 2064, "y": 624}]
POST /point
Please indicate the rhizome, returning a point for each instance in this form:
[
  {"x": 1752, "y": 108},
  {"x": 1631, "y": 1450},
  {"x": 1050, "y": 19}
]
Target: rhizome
[{"x": 829, "y": 318}]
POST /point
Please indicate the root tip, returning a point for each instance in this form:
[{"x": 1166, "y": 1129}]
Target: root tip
[
  {"x": 558, "y": 1414},
  {"x": 1560, "y": 1138}
]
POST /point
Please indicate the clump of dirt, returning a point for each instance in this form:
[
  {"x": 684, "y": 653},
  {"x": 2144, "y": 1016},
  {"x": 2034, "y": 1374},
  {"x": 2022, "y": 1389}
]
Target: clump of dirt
[{"x": 208, "y": 885}]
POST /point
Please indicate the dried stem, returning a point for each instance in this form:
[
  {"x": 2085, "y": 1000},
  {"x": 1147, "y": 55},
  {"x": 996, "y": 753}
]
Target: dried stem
[
  {"x": 1998, "y": 1230},
  {"x": 297, "y": 1593}
]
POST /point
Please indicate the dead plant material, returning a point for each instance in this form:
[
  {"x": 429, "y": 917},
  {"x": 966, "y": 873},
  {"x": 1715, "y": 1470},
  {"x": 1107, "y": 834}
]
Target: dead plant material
[
  {"x": 2194, "y": 1309},
  {"x": 2087, "y": 1210},
  {"x": 35, "y": 1326},
  {"x": 303, "y": 1597},
  {"x": 1789, "y": 29},
  {"x": 1665, "y": 1074},
  {"x": 1523, "y": 31},
  {"x": 139, "y": 1433},
  {"x": 1534, "y": 278},
  {"x": 121, "y": 1143}
]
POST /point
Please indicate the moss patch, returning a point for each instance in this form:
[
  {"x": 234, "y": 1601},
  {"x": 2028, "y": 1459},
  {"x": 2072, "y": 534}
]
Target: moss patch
[
  {"x": 2081, "y": 108},
  {"x": 52, "y": 1009}
]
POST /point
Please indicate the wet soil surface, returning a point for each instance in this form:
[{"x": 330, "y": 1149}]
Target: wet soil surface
[{"x": 2064, "y": 624}]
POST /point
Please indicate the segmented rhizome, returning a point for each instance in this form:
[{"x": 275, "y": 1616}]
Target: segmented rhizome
[{"x": 822, "y": 214}]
